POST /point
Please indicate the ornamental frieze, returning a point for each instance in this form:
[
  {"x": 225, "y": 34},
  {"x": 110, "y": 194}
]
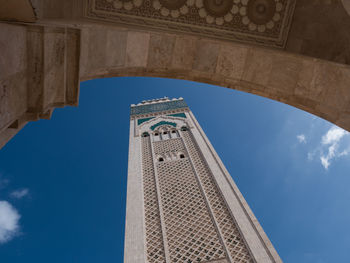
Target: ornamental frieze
[
  {"x": 158, "y": 107},
  {"x": 262, "y": 22}
]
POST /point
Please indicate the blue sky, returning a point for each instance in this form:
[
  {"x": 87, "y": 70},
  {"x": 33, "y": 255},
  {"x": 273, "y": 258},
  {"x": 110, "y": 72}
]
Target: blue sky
[{"x": 63, "y": 181}]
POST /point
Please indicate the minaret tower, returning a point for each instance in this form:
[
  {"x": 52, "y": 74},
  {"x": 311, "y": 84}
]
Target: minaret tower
[{"x": 182, "y": 204}]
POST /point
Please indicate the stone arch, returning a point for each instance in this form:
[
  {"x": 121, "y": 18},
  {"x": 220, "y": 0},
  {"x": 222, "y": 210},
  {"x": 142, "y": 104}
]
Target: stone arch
[
  {"x": 43, "y": 63},
  {"x": 316, "y": 86}
]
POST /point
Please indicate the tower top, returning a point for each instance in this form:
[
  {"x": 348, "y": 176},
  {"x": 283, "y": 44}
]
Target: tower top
[
  {"x": 157, "y": 105},
  {"x": 153, "y": 101}
]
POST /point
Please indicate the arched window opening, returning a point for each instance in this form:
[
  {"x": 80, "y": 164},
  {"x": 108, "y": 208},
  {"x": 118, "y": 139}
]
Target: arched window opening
[
  {"x": 184, "y": 128},
  {"x": 157, "y": 136},
  {"x": 145, "y": 134},
  {"x": 174, "y": 134},
  {"x": 160, "y": 159},
  {"x": 165, "y": 132},
  {"x": 182, "y": 156}
]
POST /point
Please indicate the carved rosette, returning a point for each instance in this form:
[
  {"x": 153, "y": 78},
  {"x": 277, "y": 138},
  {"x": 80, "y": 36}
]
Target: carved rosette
[
  {"x": 218, "y": 11},
  {"x": 260, "y": 15},
  {"x": 125, "y": 4},
  {"x": 173, "y": 8},
  {"x": 262, "y": 22}
]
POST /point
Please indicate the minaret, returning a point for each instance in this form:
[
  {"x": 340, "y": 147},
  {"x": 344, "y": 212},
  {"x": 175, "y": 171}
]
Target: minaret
[{"x": 182, "y": 204}]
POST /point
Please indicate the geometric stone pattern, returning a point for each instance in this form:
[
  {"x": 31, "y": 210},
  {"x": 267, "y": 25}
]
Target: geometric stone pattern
[
  {"x": 163, "y": 106},
  {"x": 262, "y": 22},
  {"x": 226, "y": 224},
  {"x": 180, "y": 213},
  {"x": 191, "y": 233},
  {"x": 154, "y": 237},
  {"x": 169, "y": 146}
]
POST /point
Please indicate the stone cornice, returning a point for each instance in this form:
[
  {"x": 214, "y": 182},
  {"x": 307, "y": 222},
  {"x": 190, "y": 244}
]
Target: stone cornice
[
  {"x": 154, "y": 114},
  {"x": 157, "y": 106}
]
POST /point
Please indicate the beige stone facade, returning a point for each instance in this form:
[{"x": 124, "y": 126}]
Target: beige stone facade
[
  {"x": 182, "y": 204},
  {"x": 48, "y": 47}
]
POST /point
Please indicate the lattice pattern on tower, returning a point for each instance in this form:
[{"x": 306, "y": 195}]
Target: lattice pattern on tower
[
  {"x": 168, "y": 146},
  {"x": 191, "y": 234},
  {"x": 154, "y": 238},
  {"x": 227, "y": 226}
]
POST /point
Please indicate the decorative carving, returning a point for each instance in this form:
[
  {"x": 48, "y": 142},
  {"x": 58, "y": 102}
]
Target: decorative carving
[
  {"x": 262, "y": 14},
  {"x": 125, "y": 4},
  {"x": 218, "y": 8},
  {"x": 173, "y": 4},
  {"x": 263, "y": 22},
  {"x": 229, "y": 230},
  {"x": 191, "y": 234},
  {"x": 261, "y": 11},
  {"x": 154, "y": 238},
  {"x": 158, "y": 107}
]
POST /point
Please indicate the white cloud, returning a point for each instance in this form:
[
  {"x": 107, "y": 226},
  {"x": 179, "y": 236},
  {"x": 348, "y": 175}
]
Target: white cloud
[
  {"x": 343, "y": 153},
  {"x": 9, "y": 222},
  {"x": 301, "y": 138},
  {"x": 330, "y": 144},
  {"x": 325, "y": 162},
  {"x": 19, "y": 194},
  {"x": 333, "y": 135}
]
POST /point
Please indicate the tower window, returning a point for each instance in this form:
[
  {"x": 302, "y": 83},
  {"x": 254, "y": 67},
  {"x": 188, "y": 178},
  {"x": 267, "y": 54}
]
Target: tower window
[
  {"x": 182, "y": 156},
  {"x": 165, "y": 132},
  {"x": 156, "y": 134},
  {"x": 145, "y": 134},
  {"x": 173, "y": 131},
  {"x": 184, "y": 128},
  {"x": 160, "y": 159}
]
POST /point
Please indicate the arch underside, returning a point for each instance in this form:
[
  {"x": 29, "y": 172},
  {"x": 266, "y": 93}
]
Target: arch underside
[
  {"x": 316, "y": 86},
  {"x": 42, "y": 64}
]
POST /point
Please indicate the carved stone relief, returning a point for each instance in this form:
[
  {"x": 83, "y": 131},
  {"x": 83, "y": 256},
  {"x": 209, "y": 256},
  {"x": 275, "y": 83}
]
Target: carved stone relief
[{"x": 262, "y": 22}]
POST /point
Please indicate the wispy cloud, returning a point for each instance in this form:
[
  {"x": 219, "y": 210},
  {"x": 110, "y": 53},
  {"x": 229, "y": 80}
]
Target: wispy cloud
[
  {"x": 9, "y": 222},
  {"x": 301, "y": 138},
  {"x": 331, "y": 142},
  {"x": 333, "y": 135},
  {"x": 330, "y": 147},
  {"x": 19, "y": 194}
]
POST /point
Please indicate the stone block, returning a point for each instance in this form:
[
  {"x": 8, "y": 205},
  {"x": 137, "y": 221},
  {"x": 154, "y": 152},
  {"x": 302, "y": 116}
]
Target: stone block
[
  {"x": 72, "y": 66},
  {"x": 284, "y": 72},
  {"x": 13, "y": 73},
  {"x": 97, "y": 43},
  {"x": 206, "y": 56},
  {"x": 54, "y": 67},
  {"x": 116, "y": 48},
  {"x": 13, "y": 98},
  {"x": 333, "y": 83},
  {"x": 137, "y": 49},
  {"x": 160, "y": 52},
  {"x": 231, "y": 61},
  {"x": 306, "y": 79},
  {"x": 184, "y": 51},
  {"x": 13, "y": 49},
  {"x": 258, "y": 66},
  {"x": 35, "y": 49}
]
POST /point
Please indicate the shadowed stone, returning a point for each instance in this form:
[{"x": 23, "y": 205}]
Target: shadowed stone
[
  {"x": 160, "y": 50},
  {"x": 231, "y": 61},
  {"x": 206, "y": 56},
  {"x": 137, "y": 49}
]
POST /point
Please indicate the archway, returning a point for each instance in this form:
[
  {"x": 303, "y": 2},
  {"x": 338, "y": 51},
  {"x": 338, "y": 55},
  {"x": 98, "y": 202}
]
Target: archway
[{"x": 43, "y": 63}]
